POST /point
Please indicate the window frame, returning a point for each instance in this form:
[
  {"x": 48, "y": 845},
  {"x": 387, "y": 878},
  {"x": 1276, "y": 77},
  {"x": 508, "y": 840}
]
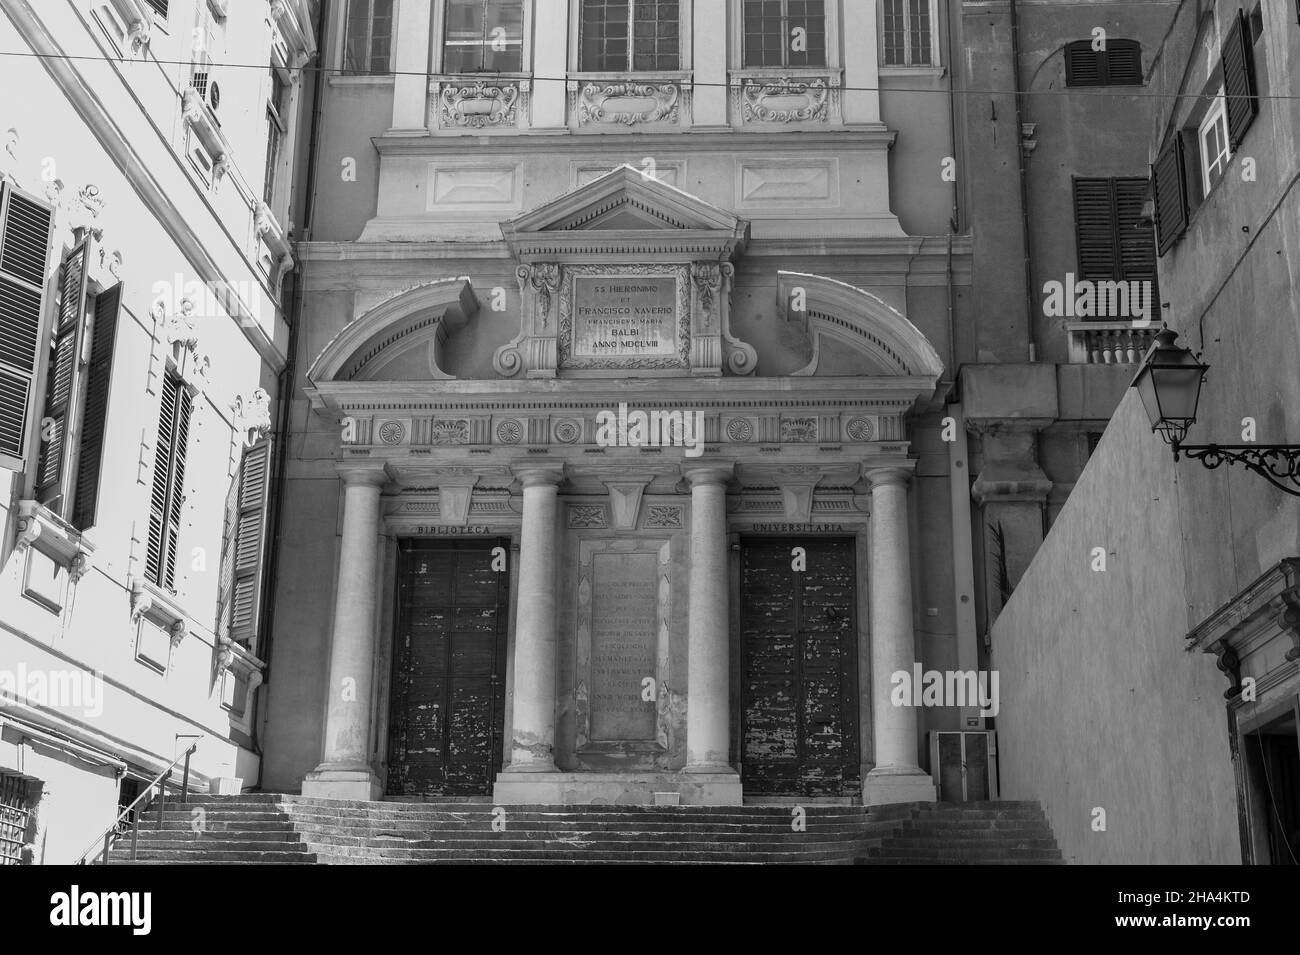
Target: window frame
[
  {"x": 784, "y": 66},
  {"x": 684, "y": 41},
  {"x": 936, "y": 61},
  {"x": 1216, "y": 115},
  {"x": 277, "y": 131},
  {"x": 345, "y": 20},
  {"x": 438, "y": 48}
]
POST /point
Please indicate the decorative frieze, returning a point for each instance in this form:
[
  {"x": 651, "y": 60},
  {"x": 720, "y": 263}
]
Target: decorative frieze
[{"x": 588, "y": 515}]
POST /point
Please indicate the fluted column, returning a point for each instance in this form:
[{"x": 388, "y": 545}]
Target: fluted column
[
  {"x": 896, "y": 777},
  {"x": 345, "y": 771},
  {"x": 708, "y": 707},
  {"x": 532, "y": 736}
]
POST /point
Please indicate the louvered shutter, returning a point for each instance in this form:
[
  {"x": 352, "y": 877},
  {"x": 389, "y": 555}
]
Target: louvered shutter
[
  {"x": 1137, "y": 250},
  {"x": 249, "y": 543},
  {"x": 1082, "y": 64},
  {"x": 1094, "y": 229},
  {"x": 230, "y": 529},
  {"x": 62, "y": 390},
  {"x": 99, "y": 375},
  {"x": 176, "y": 491},
  {"x": 1169, "y": 181},
  {"x": 1122, "y": 63},
  {"x": 160, "y": 555},
  {"x": 25, "y": 227},
  {"x": 1239, "y": 87}
]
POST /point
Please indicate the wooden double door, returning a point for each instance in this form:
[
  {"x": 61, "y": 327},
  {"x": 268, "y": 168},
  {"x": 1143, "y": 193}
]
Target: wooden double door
[
  {"x": 797, "y": 664},
  {"x": 447, "y": 696}
]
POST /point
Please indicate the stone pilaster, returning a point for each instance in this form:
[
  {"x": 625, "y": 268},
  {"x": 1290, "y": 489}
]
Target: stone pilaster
[
  {"x": 345, "y": 772},
  {"x": 411, "y": 38},
  {"x": 896, "y": 776}
]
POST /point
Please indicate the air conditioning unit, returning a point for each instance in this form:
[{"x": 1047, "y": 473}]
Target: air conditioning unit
[{"x": 964, "y": 764}]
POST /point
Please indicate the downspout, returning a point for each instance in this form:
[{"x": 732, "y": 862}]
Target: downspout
[
  {"x": 954, "y": 221},
  {"x": 1031, "y": 305},
  {"x": 284, "y": 386}
]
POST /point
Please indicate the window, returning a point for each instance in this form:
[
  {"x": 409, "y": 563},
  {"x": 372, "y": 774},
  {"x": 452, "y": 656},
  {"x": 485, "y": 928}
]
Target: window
[
  {"x": 907, "y": 33},
  {"x": 785, "y": 33},
  {"x": 242, "y": 551},
  {"x": 276, "y": 123},
  {"x": 167, "y": 495},
  {"x": 1212, "y": 142},
  {"x": 619, "y": 36},
  {"x": 1113, "y": 240},
  {"x": 368, "y": 40},
  {"x": 98, "y": 375},
  {"x": 159, "y": 6},
  {"x": 1119, "y": 64},
  {"x": 484, "y": 36},
  {"x": 25, "y": 226}
]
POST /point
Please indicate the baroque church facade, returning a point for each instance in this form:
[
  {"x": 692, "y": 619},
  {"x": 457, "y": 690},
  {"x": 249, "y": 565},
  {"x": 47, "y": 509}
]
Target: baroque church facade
[{"x": 486, "y": 596}]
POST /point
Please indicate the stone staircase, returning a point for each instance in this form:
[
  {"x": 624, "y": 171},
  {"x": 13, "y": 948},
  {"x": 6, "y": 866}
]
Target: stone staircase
[
  {"x": 267, "y": 828},
  {"x": 972, "y": 833}
]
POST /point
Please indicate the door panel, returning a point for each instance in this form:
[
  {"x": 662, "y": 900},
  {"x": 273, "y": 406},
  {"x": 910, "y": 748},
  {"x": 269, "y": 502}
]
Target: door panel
[
  {"x": 799, "y": 732},
  {"x": 448, "y": 686}
]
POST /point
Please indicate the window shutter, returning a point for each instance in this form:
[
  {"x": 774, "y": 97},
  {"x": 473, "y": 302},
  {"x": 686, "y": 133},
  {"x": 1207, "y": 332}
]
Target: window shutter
[
  {"x": 1239, "y": 87},
  {"x": 249, "y": 543},
  {"x": 1169, "y": 180},
  {"x": 53, "y": 482},
  {"x": 1137, "y": 251},
  {"x": 1094, "y": 228},
  {"x": 99, "y": 374},
  {"x": 1123, "y": 63},
  {"x": 1082, "y": 64},
  {"x": 25, "y": 227},
  {"x": 176, "y": 492},
  {"x": 229, "y": 530}
]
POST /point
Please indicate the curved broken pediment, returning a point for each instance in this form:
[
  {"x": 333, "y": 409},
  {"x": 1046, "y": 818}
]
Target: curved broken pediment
[
  {"x": 841, "y": 319},
  {"x": 401, "y": 337}
]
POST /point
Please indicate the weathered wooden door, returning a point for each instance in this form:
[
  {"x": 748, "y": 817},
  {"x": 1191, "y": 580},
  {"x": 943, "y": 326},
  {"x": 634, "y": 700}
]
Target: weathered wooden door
[
  {"x": 798, "y": 694},
  {"x": 448, "y": 688}
]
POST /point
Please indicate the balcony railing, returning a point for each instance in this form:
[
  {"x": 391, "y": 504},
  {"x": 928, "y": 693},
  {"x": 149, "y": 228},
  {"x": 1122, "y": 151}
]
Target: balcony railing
[{"x": 1109, "y": 343}]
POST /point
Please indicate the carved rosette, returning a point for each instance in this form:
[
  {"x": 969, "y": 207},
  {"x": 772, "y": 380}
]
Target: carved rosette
[{"x": 480, "y": 105}]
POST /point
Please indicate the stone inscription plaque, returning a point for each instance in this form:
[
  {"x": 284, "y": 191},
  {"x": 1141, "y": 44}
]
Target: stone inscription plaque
[
  {"x": 624, "y": 617},
  {"x": 624, "y": 316}
]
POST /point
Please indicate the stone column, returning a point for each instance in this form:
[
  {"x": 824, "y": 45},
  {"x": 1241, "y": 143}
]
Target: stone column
[
  {"x": 708, "y": 705},
  {"x": 532, "y": 737},
  {"x": 345, "y": 772},
  {"x": 896, "y": 777}
]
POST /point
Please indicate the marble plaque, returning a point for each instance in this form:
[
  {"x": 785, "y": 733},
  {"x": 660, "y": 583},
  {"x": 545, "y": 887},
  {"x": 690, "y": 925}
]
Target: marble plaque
[
  {"x": 621, "y": 317},
  {"x": 624, "y": 644}
]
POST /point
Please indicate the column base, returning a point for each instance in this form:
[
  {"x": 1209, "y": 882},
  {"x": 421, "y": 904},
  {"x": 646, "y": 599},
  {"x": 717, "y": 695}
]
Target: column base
[
  {"x": 883, "y": 788},
  {"x": 359, "y": 784},
  {"x": 616, "y": 789}
]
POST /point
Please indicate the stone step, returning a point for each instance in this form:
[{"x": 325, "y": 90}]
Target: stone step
[{"x": 580, "y": 835}]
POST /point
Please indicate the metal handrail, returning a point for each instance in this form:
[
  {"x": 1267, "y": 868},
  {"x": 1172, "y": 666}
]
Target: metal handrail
[{"x": 161, "y": 782}]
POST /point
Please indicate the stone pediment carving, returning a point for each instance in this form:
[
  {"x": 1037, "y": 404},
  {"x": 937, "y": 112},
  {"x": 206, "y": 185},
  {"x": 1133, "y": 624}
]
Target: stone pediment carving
[
  {"x": 634, "y": 213},
  {"x": 401, "y": 338}
]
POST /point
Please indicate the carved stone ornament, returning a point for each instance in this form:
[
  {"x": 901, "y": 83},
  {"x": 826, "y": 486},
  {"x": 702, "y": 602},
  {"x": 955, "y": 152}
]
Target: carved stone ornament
[
  {"x": 478, "y": 105},
  {"x": 253, "y": 416},
  {"x": 785, "y": 99},
  {"x": 627, "y": 104},
  {"x": 707, "y": 277},
  {"x": 544, "y": 279}
]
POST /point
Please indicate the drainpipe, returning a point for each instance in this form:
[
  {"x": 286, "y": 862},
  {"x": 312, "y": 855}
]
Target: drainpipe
[
  {"x": 1031, "y": 305},
  {"x": 284, "y": 386}
]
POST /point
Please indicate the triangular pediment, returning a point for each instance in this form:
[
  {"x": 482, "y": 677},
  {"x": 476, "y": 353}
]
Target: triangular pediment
[{"x": 642, "y": 210}]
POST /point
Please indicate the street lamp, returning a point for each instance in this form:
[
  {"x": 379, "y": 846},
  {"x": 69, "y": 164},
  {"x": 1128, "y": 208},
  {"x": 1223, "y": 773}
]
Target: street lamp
[{"x": 1169, "y": 384}]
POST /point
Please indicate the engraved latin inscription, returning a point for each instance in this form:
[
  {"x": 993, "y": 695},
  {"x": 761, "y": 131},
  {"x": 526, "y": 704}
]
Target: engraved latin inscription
[
  {"x": 624, "y": 616},
  {"x": 620, "y": 317}
]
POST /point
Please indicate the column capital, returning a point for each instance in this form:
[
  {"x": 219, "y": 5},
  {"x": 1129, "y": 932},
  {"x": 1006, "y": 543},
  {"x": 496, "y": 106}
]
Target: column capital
[
  {"x": 539, "y": 473},
  {"x": 885, "y": 477},
  {"x": 704, "y": 474},
  {"x": 364, "y": 472}
]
